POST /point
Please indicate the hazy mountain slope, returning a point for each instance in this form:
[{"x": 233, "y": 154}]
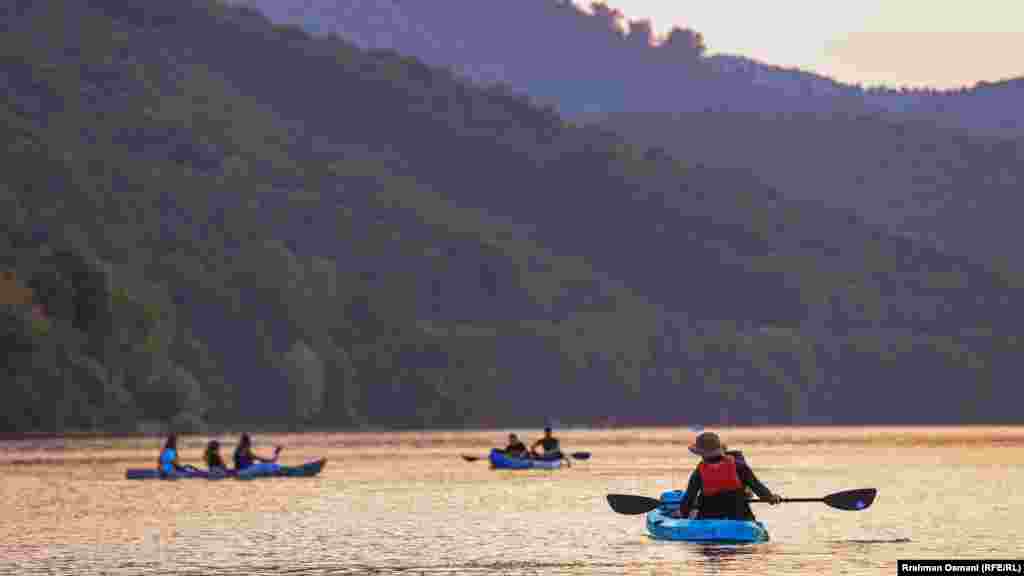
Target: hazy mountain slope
[
  {"x": 597, "y": 61},
  {"x": 927, "y": 163},
  {"x": 358, "y": 239},
  {"x": 577, "y": 62},
  {"x": 947, "y": 186},
  {"x": 986, "y": 108}
]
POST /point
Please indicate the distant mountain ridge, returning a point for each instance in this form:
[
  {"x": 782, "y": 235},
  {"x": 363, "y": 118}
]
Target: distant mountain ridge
[
  {"x": 992, "y": 108},
  {"x": 598, "y": 62},
  {"x": 936, "y": 165}
]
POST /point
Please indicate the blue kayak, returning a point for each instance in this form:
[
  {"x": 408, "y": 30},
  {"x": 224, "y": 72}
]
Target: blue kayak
[
  {"x": 306, "y": 470},
  {"x": 662, "y": 526},
  {"x": 500, "y": 460}
]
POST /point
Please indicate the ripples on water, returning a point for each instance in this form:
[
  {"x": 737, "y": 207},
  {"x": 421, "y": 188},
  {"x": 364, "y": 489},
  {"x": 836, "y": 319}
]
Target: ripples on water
[{"x": 406, "y": 503}]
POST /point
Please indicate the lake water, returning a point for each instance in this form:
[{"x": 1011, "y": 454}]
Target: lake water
[{"x": 406, "y": 503}]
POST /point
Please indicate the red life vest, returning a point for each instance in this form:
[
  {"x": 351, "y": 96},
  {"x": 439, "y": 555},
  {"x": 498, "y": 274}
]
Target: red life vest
[{"x": 719, "y": 476}]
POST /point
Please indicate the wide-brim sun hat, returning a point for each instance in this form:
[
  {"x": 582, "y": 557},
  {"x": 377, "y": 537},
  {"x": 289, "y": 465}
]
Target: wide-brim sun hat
[{"x": 707, "y": 443}]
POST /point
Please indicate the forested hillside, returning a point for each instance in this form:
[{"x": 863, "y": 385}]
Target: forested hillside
[
  {"x": 939, "y": 165},
  {"x": 590, "y": 57},
  {"x": 230, "y": 223},
  {"x": 946, "y": 186}
]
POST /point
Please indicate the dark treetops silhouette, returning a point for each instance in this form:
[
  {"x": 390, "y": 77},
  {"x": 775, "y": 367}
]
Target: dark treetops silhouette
[{"x": 232, "y": 223}]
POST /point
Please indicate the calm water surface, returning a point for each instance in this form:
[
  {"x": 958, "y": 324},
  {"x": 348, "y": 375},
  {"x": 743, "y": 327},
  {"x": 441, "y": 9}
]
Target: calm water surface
[{"x": 406, "y": 503}]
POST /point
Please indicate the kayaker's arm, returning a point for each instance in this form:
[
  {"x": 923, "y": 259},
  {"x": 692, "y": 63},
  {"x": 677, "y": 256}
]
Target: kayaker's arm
[
  {"x": 176, "y": 463},
  {"x": 748, "y": 478},
  {"x": 693, "y": 489},
  {"x": 268, "y": 460}
]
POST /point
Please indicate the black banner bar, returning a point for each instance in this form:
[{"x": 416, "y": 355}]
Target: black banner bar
[{"x": 920, "y": 567}]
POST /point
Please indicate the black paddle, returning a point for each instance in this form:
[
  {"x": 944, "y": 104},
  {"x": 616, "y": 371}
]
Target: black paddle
[
  {"x": 848, "y": 500},
  {"x": 576, "y": 455}
]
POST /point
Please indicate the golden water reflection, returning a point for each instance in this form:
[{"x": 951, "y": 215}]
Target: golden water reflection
[{"x": 406, "y": 503}]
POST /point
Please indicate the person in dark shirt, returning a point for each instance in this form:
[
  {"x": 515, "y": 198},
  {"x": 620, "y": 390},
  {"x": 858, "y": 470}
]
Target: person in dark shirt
[
  {"x": 245, "y": 458},
  {"x": 550, "y": 446},
  {"x": 214, "y": 462},
  {"x": 720, "y": 481},
  {"x": 516, "y": 448}
]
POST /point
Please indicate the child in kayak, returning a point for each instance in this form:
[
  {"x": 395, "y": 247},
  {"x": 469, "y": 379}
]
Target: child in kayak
[
  {"x": 720, "y": 481},
  {"x": 168, "y": 462},
  {"x": 516, "y": 448},
  {"x": 550, "y": 446},
  {"x": 245, "y": 458},
  {"x": 214, "y": 463}
]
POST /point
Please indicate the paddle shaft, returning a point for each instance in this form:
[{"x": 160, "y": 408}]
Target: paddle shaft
[
  {"x": 576, "y": 455},
  {"x": 847, "y": 500},
  {"x": 753, "y": 500}
]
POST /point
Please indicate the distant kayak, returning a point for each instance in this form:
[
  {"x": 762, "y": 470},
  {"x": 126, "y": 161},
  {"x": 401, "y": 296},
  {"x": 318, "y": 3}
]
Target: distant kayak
[
  {"x": 500, "y": 460},
  {"x": 662, "y": 526},
  {"x": 306, "y": 470}
]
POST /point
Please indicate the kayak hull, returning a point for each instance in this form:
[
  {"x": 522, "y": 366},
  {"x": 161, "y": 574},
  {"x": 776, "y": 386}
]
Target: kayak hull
[
  {"x": 500, "y": 460},
  {"x": 308, "y": 469},
  {"x": 662, "y": 526}
]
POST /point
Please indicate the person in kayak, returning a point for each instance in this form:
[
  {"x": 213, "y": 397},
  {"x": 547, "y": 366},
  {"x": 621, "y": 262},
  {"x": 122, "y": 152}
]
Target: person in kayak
[
  {"x": 738, "y": 456},
  {"x": 550, "y": 446},
  {"x": 720, "y": 481},
  {"x": 168, "y": 462},
  {"x": 516, "y": 448},
  {"x": 212, "y": 457},
  {"x": 245, "y": 458}
]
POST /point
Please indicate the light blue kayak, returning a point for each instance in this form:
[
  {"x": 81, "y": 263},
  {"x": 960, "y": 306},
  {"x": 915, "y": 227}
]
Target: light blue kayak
[
  {"x": 662, "y": 526},
  {"x": 500, "y": 460},
  {"x": 306, "y": 470}
]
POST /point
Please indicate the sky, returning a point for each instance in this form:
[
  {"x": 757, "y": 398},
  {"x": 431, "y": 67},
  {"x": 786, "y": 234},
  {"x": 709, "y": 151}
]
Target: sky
[{"x": 937, "y": 43}]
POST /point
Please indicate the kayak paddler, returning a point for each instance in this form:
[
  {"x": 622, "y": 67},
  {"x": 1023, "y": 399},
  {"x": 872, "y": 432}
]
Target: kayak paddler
[
  {"x": 245, "y": 458},
  {"x": 550, "y": 446},
  {"x": 738, "y": 456},
  {"x": 720, "y": 481},
  {"x": 516, "y": 448},
  {"x": 214, "y": 462},
  {"x": 168, "y": 462}
]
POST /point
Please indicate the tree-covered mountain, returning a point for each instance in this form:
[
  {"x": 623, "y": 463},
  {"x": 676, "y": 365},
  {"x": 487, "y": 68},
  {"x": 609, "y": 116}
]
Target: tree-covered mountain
[
  {"x": 597, "y": 60},
  {"x": 228, "y": 222},
  {"x": 943, "y": 166},
  {"x": 945, "y": 186},
  {"x": 986, "y": 108}
]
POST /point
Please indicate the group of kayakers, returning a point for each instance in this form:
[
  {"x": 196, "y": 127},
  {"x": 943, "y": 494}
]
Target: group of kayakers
[
  {"x": 245, "y": 458},
  {"x": 718, "y": 488},
  {"x": 549, "y": 445}
]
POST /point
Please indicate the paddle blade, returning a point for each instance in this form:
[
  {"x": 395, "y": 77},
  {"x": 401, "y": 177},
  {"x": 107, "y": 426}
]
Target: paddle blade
[
  {"x": 852, "y": 499},
  {"x": 628, "y": 504},
  {"x": 471, "y": 458},
  {"x": 581, "y": 455}
]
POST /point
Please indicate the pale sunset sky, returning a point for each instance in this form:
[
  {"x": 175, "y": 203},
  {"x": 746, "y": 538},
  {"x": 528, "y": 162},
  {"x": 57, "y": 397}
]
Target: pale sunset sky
[{"x": 936, "y": 43}]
